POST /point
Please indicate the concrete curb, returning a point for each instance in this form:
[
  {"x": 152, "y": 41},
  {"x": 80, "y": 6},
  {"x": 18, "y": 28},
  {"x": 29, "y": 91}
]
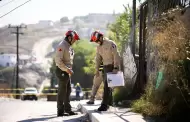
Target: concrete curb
[
  {"x": 99, "y": 117},
  {"x": 85, "y": 111},
  {"x": 119, "y": 116}
]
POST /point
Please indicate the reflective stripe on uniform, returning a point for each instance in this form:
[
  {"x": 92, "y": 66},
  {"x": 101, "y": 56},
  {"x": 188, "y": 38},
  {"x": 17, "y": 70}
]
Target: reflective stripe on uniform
[{"x": 101, "y": 67}]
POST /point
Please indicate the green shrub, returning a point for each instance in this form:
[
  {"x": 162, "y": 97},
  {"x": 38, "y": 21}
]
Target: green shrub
[{"x": 147, "y": 104}]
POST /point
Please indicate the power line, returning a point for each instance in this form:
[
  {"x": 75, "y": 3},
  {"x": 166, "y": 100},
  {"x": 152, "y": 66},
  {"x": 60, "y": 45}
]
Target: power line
[
  {"x": 17, "y": 64},
  {"x": 7, "y": 3},
  {"x": 15, "y": 8}
]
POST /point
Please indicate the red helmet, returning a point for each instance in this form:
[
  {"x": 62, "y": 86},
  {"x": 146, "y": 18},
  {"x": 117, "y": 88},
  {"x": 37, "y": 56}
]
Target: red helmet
[
  {"x": 72, "y": 33},
  {"x": 95, "y": 36}
]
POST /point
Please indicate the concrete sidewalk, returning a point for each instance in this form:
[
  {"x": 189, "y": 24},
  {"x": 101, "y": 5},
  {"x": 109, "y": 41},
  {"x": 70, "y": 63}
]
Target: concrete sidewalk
[{"x": 112, "y": 115}]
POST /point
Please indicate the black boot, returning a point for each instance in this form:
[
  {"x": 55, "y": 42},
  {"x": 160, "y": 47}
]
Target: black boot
[
  {"x": 70, "y": 113},
  {"x": 60, "y": 112},
  {"x": 103, "y": 108},
  {"x": 90, "y": 102}
]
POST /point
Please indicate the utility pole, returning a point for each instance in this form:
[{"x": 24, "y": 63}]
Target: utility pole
[
  {"x": 17, "y": 52},
  {"x": 134, "y": 28}
]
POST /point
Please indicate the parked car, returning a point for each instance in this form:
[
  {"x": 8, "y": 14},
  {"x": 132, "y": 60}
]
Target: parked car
[
  {"x": 73, "y": 94},
  {"x": 30, "y": 93}
]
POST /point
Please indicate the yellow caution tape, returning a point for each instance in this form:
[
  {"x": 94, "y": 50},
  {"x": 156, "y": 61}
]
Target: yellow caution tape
[
  {"x": 11, "y": 89},
  {"x": 23, "y": 89},
  {"x": 46, "y": 94},
  {"x": 43, "y": 89},
  {"x": 49, "y": 89}
]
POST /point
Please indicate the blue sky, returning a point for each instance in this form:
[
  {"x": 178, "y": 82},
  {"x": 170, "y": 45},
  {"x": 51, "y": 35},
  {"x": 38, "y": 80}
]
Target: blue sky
[{"x": 37, "y": 10}]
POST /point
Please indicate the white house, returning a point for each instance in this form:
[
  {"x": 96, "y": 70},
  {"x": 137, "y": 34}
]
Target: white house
[{"x": 9, "y": 60}]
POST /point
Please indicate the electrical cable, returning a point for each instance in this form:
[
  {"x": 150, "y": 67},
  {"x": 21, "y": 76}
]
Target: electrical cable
[
  {"x": 15, "y": 8},
  {"x": 7, "y": 3}
]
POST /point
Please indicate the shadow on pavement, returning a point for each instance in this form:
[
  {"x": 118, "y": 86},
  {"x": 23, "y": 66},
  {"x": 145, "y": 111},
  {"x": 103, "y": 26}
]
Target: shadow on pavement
[
  {"x": 93, "y": 105},
  {"x": 38, "y": 119},
  {"x": 84, "y": 118},
  {"x": 50, "y": 115}
]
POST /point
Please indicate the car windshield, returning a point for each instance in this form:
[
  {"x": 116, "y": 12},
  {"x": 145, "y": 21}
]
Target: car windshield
[{"x": 29, "y": 90}]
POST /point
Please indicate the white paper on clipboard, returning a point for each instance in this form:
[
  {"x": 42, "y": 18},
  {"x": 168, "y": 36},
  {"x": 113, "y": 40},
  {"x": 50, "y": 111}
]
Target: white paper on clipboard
[{"x": 115, "y": 80}]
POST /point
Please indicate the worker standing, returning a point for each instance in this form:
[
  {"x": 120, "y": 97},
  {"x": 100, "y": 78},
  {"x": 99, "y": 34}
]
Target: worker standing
[
  {"x": 108, "y": 54},
  {"x": 96, "y": 84},
  {"x": 64, "y": 61},
  {"x": 78, "y": 91}
]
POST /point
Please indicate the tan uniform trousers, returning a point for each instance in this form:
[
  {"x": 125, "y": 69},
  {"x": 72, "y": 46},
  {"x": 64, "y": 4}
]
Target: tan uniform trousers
[{"x": 96, "y": 84}]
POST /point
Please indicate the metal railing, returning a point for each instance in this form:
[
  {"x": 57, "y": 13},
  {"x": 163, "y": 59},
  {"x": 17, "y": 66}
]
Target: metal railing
[{"x": 160, "y": 6}]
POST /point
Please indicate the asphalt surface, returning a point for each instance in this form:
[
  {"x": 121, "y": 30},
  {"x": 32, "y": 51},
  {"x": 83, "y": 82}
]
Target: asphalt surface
[{"x": 12, "y": 110}]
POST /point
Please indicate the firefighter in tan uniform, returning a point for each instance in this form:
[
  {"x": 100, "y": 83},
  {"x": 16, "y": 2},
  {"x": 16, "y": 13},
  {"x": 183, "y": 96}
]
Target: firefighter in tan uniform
[
  {"x": 108, "y": 54},
  {"x": 64, "y": 61},
  {"x": 96, "y": 84}
]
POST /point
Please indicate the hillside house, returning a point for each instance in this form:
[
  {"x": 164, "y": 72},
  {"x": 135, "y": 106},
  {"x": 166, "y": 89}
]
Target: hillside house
[{"x": 9, "y": 60}]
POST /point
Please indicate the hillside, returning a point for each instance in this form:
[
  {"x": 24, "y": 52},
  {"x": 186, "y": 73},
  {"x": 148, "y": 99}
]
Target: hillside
[
  {"x": 46, "y": 28},
  {"x": 29, "y": 76},
  {"x": 26, "y": 41}
]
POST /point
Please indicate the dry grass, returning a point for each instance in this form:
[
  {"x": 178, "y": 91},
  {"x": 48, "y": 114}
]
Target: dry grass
[
  {"x": 171, "y": 43},
  {"x": 147, "y": 104},
  {"x": 148, "y": 108},
  {"x": 171, "y": 39}
]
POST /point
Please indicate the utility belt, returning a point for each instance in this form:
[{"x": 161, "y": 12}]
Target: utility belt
[
  {"x": 101, "y": 68},
  {"x": 60, "y": 71},
  {"x": 108, "y": 65}
]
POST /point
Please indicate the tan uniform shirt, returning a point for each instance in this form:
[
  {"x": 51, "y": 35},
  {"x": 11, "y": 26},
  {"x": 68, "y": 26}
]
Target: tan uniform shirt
[
  {"x": 64, "y": 55},
  {"x": 108, "y": 54}
]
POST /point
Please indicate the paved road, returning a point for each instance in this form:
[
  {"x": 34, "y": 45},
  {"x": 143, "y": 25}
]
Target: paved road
[{"x": 34, "y": 111}]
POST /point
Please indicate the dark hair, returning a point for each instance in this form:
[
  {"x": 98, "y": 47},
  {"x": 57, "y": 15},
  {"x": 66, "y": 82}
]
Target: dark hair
[
  {"x": 99, "y": 35},
  {"x": 67, "y": 37}
]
